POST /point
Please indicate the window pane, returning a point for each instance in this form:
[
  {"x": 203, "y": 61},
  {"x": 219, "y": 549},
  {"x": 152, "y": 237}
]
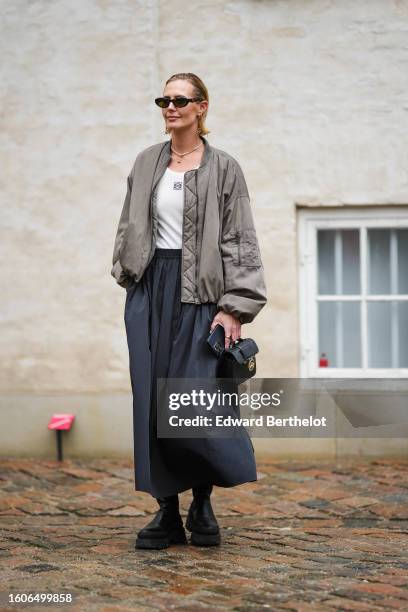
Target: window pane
[
  {"x": 351, "y": 335},
  {"x": 327, "y": 329},
  {"x": 351, "y": 261},
  {"x": 338, "y": 262},
  {"x": 325, "y": 256},
  {"x": 402, "y": 241},
  {"x": 403, "y": 334},
  {"x": 379, "y": 273},
  {"x": 340, "y": 333},
  {"x": 379, "y": 334}
]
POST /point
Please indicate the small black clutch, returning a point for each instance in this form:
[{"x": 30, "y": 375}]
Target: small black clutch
[{"x": 237, "y": 362}]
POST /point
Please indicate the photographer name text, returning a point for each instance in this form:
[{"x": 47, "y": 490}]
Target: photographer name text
[{"x": 258, "y": 421}]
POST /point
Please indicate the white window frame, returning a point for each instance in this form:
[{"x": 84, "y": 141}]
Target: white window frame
[{"x": 309, "y": 221}]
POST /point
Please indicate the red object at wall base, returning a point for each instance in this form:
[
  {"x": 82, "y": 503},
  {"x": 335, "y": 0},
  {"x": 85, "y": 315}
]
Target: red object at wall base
[{"x": 323, "y": 361}]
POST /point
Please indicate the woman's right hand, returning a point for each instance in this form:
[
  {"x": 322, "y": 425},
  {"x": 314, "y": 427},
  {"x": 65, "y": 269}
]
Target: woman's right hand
[{"x": 231, "y": 325}]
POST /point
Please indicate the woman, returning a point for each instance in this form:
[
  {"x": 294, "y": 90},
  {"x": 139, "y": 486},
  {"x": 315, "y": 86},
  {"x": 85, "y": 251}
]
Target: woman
[{"x": 187, "y": 253}]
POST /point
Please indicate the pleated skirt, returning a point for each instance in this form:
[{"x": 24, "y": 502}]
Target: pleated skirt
[{"x": 167, "y": 339}]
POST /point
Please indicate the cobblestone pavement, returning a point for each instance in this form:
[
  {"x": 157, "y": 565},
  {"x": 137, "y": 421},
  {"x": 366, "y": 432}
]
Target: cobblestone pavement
[{"x": 306, "y": 536}]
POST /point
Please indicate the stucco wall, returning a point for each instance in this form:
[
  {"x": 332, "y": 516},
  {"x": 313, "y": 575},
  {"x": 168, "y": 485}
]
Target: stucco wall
[{"x": 309, "y": 96}]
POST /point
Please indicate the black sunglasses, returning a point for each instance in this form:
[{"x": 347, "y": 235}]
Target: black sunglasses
[{"x": 178, "y": 102}]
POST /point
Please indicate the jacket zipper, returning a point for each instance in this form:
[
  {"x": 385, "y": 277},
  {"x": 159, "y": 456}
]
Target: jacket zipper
[
  {"x": 197, "y": 255},
  {"x": 151, "y": 252},
  {"x": 182, "y": 236},
  {"x": 238, "y": 235}
]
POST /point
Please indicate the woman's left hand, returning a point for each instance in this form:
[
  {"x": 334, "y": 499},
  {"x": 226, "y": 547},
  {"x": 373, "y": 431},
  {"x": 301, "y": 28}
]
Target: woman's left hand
[{"x": 231, "y": 325}]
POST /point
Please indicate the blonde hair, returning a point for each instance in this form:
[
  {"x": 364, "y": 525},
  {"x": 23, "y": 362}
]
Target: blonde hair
[{"x": 199, "y": 91}]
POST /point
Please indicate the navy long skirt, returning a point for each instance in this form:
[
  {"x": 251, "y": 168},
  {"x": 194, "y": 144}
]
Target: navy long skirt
[{"x": 167, "y": 339}]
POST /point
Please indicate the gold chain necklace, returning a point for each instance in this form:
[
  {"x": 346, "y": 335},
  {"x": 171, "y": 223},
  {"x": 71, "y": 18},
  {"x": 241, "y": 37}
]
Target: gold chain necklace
[{"x": 183, "y": 154}]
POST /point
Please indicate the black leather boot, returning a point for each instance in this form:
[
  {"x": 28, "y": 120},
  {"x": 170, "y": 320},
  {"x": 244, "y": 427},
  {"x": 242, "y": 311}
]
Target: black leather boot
[
  {"x": 166, "y": 528},
  {"x": 201, "y": 519}
]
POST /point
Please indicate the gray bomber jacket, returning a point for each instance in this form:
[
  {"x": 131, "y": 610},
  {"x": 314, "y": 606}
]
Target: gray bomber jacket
[{"x": 221, "y": 262}]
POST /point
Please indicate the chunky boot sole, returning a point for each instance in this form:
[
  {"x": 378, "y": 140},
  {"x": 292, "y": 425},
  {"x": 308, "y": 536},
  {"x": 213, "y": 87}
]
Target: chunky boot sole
[
  {"x": 201, "y": 539},
  {"x": 177, "y": 536}
]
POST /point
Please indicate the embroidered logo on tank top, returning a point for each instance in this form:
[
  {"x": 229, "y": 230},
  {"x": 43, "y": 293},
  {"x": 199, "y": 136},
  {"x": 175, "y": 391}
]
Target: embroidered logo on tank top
[{"x": 177, "y": 184}]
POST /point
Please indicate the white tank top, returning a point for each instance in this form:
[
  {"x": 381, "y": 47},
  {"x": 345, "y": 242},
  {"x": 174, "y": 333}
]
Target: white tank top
[{"x": 169, "y": 208}]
